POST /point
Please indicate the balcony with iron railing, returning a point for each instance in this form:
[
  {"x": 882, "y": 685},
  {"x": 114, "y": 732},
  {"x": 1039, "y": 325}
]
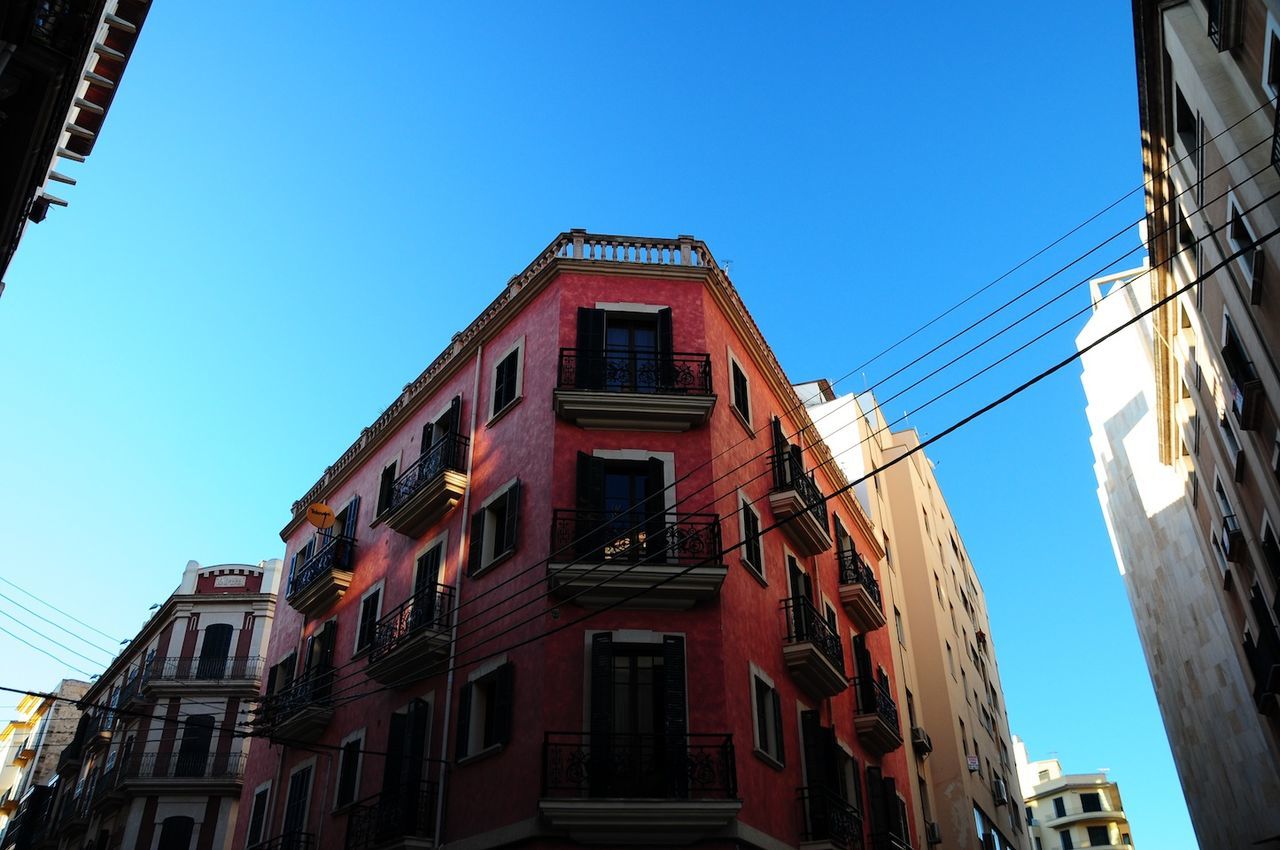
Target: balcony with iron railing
[
  {"x": 812, "y": 650},
  {"x": 887, "y": 840},
  {"x": 300, "y": 711},
  {"x": 666, "y": 560},
  {"x": 798, "y": 503},
  {"x": 176, "y": 675},
  {"x": 412, "y": 637},
  {"x": 1242, "y": 383},
  {"x": 198, "y": 772},
  {"x": 609, "y": 788},
  {"x": 403, "y": 818},
  {"x": 830, "y": 821},
  {"x": 324, "y": 577},
  {"x": 1263, "y": 657},
  {"x": 876, "y": 716},
  {"x": 860, "y": 592},
  {"x": 292, "y": 840},
  {"x": 429, "y": 487},
  {"x": 638, "y": 390}
]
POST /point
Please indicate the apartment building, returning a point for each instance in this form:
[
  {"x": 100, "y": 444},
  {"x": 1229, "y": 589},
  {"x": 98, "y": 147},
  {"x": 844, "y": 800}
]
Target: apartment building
[
  {"x": 1182, "y": 406},
  {"x": 968, "y": 788},
  {"x": 1067, "y": 810},
  {"x": 30, "y": 746},
  {"x": 60, "y": 66},
  {"x": 581, "y": 584},
  {"x": 157, "y": 758}
]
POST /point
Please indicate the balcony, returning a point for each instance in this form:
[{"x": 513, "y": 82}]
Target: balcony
[
  {"x": 1242, "y": 383},
  {"x": 638, "y": 789},
  {"x": 324, "y": 577},
  {"x": 797, "y": 502},
  {"x": 302, "y": 710},
  {"x": 24, "y": 752},
  {"x": 860, "y": 592},
  {"x": 397, "y": 820},
  {"x": 1079, "y": 815},
  {"x": 106, "y": 793},
  {"x": 830, "y": 822},
  {"x": 1263, "y": 658},
  {"x": 812, "y": 650},
  {"x": 132, "y": 695},
  {"x": 665, "y": 561},
  {"x": 196, "y": 773},
  {"x": 1232, "y": 539},
  {"x": 636, "y": 390},
  {"x": 287, "y": 841},
  {"x": 429, "y": 488},
  {"x": 1224, "y": 23},
  {"x": 178, "y": 675},
  {"x": 876, "y": 717},
  {"x": 412, "y": 637}
]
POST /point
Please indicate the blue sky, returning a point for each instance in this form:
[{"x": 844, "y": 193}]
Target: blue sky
[{"x": 294, "y": 206}]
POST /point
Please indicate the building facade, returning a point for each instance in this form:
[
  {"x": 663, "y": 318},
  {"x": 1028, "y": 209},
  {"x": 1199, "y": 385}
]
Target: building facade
[
  {"x": 60, "y": 65},
  {"x": 30, "y": 747},
  {"x": 542, "y": 601},
  {"x": 1066, "y": 810},
  {"x": 968, "y": 787},
  {"x": 1182, "y": 406},
  {"x": 157, "y": 758}
]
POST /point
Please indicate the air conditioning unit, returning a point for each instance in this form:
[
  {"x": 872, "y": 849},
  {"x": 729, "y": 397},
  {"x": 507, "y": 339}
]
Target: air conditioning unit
[
  {"x": 1000, "y": 791},
  {"x": 920, "y": 741},
  {"x": 932, "y": 832}
]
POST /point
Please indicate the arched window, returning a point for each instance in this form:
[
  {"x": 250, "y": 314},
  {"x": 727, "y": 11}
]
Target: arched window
[
  {"x": 214, "y": 652},
  {"x": 175, "y": 833}
]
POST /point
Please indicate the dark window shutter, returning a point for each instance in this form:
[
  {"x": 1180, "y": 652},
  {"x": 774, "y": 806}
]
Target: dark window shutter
[
  {"x": 857, "y": 786},
  {"x": 428, "y": 575},
  {"x": 352, "y": 518},
  {"x": 394, "y": 759},
  {"x": 368, "y": 619},
  {"x": 175, "y": 834},
  {"x": 656, "y": 542},
  {"x": 271, "y": 680},
  {"x": 600, "y": 750},
  {"x": 780, "y": 455},
  {"x": 385, "y": 485},
  {"x": 666, "y": 350},
  {"x": 503, "y": 707},
  {"x": 674, "y": 722},
  {"x": 590, "y": 501},
  {"x": 415, "y": 746},
  {"x": 513, "y": 517},
  {"x": 777, "y": 726},
  {"x": 810, "y": 731},
  {"x": 347, "y": 772},
  {"x": 892, "y": 813},
  {"x": 293, "y": 566},
  {"x": 507, "y": 371},
  {"x": 590, "y": 371},
  {"x": 861, "y": 658},
  {"x": 875, "y": 800},
  {"x": 475, "y": 550},
  {"x": 427, "y": 431},
  {"x": 464, "y": 721},
  {"x": 453, "y": 424}
]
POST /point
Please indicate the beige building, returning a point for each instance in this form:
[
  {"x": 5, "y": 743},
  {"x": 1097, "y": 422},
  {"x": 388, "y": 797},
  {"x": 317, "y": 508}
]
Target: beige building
[
  {"x": 1182, "y": 406},
  {"x": 30, "y": 746},
  {"x": 1067, "y": 810},
  {"x": 964, "y": 773}
]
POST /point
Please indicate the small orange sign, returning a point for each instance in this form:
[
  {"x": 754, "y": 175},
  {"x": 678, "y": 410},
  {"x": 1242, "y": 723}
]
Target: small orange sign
[{"x": 321, "y": 516}]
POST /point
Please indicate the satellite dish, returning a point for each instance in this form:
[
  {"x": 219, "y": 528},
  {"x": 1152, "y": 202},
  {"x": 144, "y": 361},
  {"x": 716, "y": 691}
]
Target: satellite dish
[{"x": 321, "y": 516}]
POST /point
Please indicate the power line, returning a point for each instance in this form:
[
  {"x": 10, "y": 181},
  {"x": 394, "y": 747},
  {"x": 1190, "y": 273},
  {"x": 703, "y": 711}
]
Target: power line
[
  {"x": 59, "y": 610},
  {"x": 44, "y": 652},
  {"x": 111, "y": 652}
]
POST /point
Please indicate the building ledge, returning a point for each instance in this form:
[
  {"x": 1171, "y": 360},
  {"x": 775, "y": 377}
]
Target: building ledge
[
  {"x": 618, "y": 580},
  {"x": 638, "y": 821},
  {"x": 864, "y": 610},
  {"x": 633, "y": 411},
  {"x": 811, "y": 668},
  {"x": 876, "y": 734},
  {"x": 807, "y": 532},
  {"x": 430, "y": 501},
  {"x": 411, "y": 658},
  {"x": 1084, "y": 817}
]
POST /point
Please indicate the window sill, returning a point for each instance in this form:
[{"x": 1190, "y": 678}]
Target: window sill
[
  {"x": 491, "y": 564},
  {"x": 742, "y": 420},
  {"x": 503, "y": 412},
  {"x": 755, "y": 574},
  {"x": 487, "y": 752},
  {"x": 767, "y": 759}
]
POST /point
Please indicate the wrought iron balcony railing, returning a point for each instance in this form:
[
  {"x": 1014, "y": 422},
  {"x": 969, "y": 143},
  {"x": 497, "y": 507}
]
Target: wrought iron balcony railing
[
  {"x": 180, "y": 669},
  {"x": 628, "y": 536},
  {"x": 313, "y": 688},
  {"x": 671, "y": 767},
  {"x": 449, "y": 452},
  {"x": 854, "y": 570},
  {"x": 874, "y": 698},
  {"x": 804, "y": 623},
  {"x": 407, "y": 812},
  {"x": 1244, "y": 384},
  {"x": 626, "y": 371},
  {"x": 830, "y": 818},
  {"x": 428, "y": 609},
  {"x": 334, "y": 554},
  {"x": 789, "y": 474},
  {"x": 294, "y": 840},
  {"x": 185, "y": 766}
]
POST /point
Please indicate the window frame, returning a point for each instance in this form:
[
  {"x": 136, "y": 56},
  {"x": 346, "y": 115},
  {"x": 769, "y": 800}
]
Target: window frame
[
  {"x": 250, "y": 840},
  {"x": 744, "y": 418},
  {"x": 775, "y": 755},
  {"x": 1235, "y": 213},
  {"x": 478, "y": 717},
  {"x": 377, "y": 587},
  {"x": 757, "y": 571},
  {"x": 1272, "y": 37},
  {"x": 360, "y": 736},
  {"x": 489, "y": 558},
  {"x": 517, "y": 392},
  {"x": 393, "y": 463}
]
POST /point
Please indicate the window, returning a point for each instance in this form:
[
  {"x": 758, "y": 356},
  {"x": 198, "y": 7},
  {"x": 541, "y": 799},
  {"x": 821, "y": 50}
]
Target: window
[
  {"x": 485, "y": 710},
  {"x": 349, "y": 771},
  {"x": 175, "y": 833},
  {"x": 508, "y": 376},
  {"x": 258, "y": 817},
  {"x": 740, "y": 390},
  {"x": 1059, "y": 807},
  {"x": 1064, "y": 836},
  {"x": 897, "y": 624},
  {"x": 386, "y": 487},
  {"x": 493, "y": 529},
  {"x": 1098, "y": 836},
  {"x": 888, "y": 553},
  {"x": 295, "y": 807},
  {"x": 1039, "y": 846},
  {"x": 1271, "y": 59},
  {"x": 752, "y": 555},
  {"x": 951, "y": 660},
  {"x": 1091, "y": 802},
  {"x": 1043, "y": 776},
  {"x": 1184, "y": 123},
  {"x": 1240, "y": 238},
  {"x": 370, "y": 610},
  {"x": 767, "y": 711}
]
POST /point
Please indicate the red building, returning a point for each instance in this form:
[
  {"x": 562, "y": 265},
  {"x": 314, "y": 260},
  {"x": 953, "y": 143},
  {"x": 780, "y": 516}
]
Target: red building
[{"x": 546, "y": 613}]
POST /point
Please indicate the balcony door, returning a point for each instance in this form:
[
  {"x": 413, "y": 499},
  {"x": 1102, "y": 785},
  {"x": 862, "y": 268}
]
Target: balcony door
[
  {"x": 404, "y": 770},
  {"x": 426, "y": 579},
  {"x": 638, "y": 728},
  {"x": 193, "y": 752},
  {"x": 621, "y": 505},
  {"x": 295, "y": 806},
  {"x": 827, "y": 791},
  {"x": 624, "y": 352},
  {"x": 214, "y": 652}
]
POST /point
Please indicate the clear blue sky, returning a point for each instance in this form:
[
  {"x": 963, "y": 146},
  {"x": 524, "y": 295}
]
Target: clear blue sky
[{"x": 294, "y": 205}]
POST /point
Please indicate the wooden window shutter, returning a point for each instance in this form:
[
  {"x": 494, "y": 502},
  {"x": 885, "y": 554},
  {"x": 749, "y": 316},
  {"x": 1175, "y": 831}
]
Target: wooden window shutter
[
  {"x": 666, "y": 351},
  {"x": 778, "y": 725},
  {"x": 503, "y": 707},
  {"x": 513, "y": 517},
  {"x": 464, "y": 721},
  {"x": 781, "y": 478},
  {"x": 590, "y": 369},
  {"x": 599, "y": 757},
  {"x": 352, "y": 518},
  {"x": 875, "y": 800},
  {"x": 475, "y": 546}
]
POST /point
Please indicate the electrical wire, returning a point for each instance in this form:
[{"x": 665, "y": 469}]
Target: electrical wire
[{"x": 71, "y": 617}]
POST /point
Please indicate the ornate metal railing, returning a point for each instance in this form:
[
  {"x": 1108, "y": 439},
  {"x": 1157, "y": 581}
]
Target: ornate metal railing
[
  {"x": 105, "y": 783},
  {"x": 335, "y": 554},
  {"x": 874, "y": 698},
  {"x": 185, "y": 765},
  {"x": 408, "y": 812},
  {"x": 199, "y": 669},
  {"x": 630, "y": 537},
  {"x": 889, "y": 841},
  {"x": 1275, "y": 141},
  {"x": 428, "y": 609},
  {"x": 854, "y": 570},
  {"x": 295, "y": 840},
  {"x": 1243, "y": 382},
  {"x": 449, "y": 452},
  {"x": 804, "y": 623},
  {"x": 671, "y": 767},
  {"x": 830, "y": 818},
  {"x": 789, "y": 474},
  {"x": 313, "y": 688},
  {"x": 626, "y": 371}
]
